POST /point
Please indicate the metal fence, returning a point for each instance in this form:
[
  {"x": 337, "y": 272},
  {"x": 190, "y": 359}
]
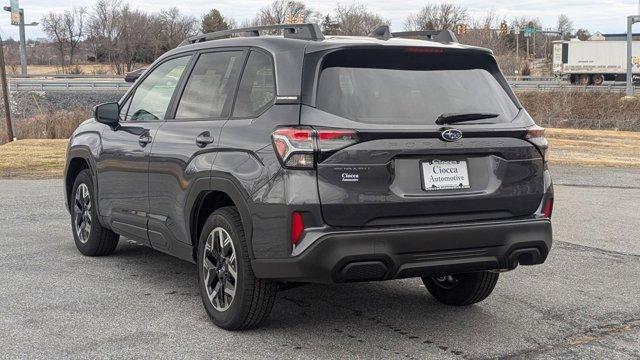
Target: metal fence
[
  {"x": 116, "y": 84},
  {"x": 22, "y": 84}
]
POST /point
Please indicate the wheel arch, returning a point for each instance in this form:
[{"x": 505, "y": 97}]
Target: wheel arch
[
  {"x": 219, "y": 193},
  {"x": 78, "y": 159}
]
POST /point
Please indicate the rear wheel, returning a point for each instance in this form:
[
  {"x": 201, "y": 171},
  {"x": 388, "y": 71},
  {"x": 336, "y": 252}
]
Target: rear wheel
[
  {"x": 90, "y": 237},
  {"x": 461, "y": 289},
  {"x": 232, "y": 296},
  {"x": 598, "y": 79},
  {"x": 584, "y": 79}
]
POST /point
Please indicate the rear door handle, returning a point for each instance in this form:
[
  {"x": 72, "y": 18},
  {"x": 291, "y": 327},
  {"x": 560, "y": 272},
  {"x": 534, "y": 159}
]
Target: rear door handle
[
  {"x": 145, "y": 139},
  {"x": 204, "y": 139}
]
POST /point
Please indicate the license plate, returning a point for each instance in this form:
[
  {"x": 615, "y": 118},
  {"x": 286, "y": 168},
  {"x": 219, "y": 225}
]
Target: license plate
[{"x": 445, "y": 175}]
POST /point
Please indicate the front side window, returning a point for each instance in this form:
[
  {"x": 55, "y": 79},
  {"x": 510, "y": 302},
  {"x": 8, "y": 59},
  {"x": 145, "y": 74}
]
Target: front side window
[
  {"x": 151, "y": 98},
  {"x": 257, "y": 88},
  {"x": 210, "y": 86}
]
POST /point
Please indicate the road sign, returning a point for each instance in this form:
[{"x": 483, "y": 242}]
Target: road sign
[
  {"x": 516, "y": 30},
  {"x": 529, "y": 31},
  {"x": 15, "y": 12}
]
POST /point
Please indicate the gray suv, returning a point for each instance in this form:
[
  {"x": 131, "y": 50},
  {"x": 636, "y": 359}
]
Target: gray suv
[{"x": 273, "y": 156}]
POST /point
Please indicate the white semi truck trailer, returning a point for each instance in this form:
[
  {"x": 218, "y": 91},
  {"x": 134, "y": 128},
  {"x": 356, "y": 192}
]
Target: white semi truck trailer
[{"x": 594, "y": 61}]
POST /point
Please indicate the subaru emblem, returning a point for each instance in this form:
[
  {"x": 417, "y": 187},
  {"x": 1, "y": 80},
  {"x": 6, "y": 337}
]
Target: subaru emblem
[{"x": 451, "y": 135}]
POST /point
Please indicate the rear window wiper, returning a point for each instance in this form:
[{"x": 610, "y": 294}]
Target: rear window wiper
[{"x": 458, "y": 118}]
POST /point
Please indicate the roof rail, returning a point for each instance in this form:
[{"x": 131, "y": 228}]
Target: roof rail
[
  {"x": 383, "y": 32},
  {"x": 291, "y": 31}
]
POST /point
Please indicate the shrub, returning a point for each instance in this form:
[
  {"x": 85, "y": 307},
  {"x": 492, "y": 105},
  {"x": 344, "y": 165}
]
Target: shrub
[
  {"x": 52, "y": 125},
  {"x": 582, "y": 110}
]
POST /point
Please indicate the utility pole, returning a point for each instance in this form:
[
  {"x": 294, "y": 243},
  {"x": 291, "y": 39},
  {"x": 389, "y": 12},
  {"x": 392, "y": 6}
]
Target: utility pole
[
  {"x": 630, "y": 21},
  {"x": 5, "y": 94},
  {"x": 23, "y": 45},
  {"x": 516, "y": 32},
  {"x": 16, "y": 12}
]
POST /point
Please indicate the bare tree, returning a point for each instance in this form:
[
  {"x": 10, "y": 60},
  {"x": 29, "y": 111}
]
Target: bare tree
[
  {"x": 66, "y": 30},
  {"x": 565, "y": 26},
  {"x": 356, "y": 20},
  {"x": 443, "y": 16},
  {"x": 173, "y": 28},
  {"x": 135, "y": 32},
  {"x": 281, "y": 11},
  {"x": 103, "y": 28},
  {"x": 329, "y": 26}
]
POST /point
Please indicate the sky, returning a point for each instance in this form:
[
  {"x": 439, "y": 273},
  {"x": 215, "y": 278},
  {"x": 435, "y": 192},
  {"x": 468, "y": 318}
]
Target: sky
[{"x": 606, "y": 16}]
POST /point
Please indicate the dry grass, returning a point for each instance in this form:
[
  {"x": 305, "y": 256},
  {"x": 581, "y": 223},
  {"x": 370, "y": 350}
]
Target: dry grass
[
  {"x": 88, "y": 69},
  {"x": 594, "y": 147},
  {"x": 33, "y": 159},
  {"x": 43, "y": 159}
]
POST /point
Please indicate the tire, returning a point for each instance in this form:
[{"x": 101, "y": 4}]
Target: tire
[
  {"x": 584, "y": 80},
  {"x": 240, "y": 303},
  {"x": 462, "y": 289},
  {"x": 598, "y": 79},
  {"x": 93, "y": 240}
]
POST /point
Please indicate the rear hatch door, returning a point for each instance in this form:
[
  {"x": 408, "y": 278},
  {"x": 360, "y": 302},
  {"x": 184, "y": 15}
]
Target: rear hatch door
[{"x": 406, "y": 169}]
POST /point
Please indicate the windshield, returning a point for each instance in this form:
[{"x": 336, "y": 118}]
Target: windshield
[{"x": 415, "y": 94}]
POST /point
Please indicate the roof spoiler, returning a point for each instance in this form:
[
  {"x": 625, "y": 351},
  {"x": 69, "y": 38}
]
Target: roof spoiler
[
  {"x": 383, "y": 32},
  {"x": 291, "y": 31}
]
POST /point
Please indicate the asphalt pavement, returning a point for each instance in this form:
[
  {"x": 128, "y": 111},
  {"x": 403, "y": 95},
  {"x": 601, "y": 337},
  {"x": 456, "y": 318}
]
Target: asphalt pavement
[{"x": 583, "y": 302}]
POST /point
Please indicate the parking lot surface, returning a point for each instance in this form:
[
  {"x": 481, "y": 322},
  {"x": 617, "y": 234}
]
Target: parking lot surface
[{"x": 583, "y": 302}]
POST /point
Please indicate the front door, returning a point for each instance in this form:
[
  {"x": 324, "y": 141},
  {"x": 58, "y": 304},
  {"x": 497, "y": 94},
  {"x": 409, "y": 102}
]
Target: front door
[
  {"x": 123, "y": 165},
  {"x": 186, "y": 146}
]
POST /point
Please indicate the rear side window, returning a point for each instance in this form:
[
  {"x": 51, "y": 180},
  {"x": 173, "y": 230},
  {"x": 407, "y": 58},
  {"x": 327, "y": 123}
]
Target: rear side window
[
  {"x": 210, "y": 86},
  {"x": 257, "y": 87},
  {"x": 409, "y": 87}
]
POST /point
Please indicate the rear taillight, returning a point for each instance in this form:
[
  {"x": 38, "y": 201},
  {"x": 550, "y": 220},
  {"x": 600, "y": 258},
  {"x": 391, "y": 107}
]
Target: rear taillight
[
  {"x": 297, "y": 227},
  {"x": 547, "y": 210},
  {"x": 535, "y": 132},
  {"x": 296, "y": 146},
  {"x": 535, "y": 135}
]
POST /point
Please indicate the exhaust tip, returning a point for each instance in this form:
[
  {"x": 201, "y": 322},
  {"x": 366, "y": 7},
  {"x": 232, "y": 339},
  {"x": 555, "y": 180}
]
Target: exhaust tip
[{"x": 526, "y": 256}]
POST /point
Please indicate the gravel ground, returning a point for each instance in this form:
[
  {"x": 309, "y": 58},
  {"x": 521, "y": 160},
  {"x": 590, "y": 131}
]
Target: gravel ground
[{"x": 584, "y": 302}]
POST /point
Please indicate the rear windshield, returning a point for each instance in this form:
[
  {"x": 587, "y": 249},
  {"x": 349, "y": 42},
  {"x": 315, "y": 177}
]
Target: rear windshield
[{"x": 408, "y": 87}]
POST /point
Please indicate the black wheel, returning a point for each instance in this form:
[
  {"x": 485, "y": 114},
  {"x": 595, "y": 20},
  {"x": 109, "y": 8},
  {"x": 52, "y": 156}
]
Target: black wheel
[
  {"x": 584, "y": 79},
  {"x": 232, "y": 296},
  {"x": 90, "y": 237},
  {"x": 598, "y": 79},
  {"x": 461, "y": 289}
]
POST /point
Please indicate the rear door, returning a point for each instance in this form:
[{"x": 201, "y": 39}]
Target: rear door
[
  {"x": 406, "y": 169},
  {"x": 186, "y": 145}
]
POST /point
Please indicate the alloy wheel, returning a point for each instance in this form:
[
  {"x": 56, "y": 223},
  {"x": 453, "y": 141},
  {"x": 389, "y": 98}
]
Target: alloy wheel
[
  {"x": 82, "y": 213},
  {"x": 220, "y": 269}
]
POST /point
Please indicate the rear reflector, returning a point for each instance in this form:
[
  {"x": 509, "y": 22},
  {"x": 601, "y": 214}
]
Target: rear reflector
[
  {"x": 297, "y": 227},
  {"x": 547, "y": 211}
]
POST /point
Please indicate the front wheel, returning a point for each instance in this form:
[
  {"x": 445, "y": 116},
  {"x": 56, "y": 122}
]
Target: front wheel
[
  {"x": 461, "y": 289},
  {"x": 232, "y": 296},
  {"x": 91, "y": 238}
]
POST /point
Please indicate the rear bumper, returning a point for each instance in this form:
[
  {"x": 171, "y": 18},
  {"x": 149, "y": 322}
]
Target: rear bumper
[{"x": 383, "y": 254}]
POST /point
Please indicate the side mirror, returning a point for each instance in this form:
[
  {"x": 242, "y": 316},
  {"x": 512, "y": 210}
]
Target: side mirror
[{"x": 108, "y": 114}]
